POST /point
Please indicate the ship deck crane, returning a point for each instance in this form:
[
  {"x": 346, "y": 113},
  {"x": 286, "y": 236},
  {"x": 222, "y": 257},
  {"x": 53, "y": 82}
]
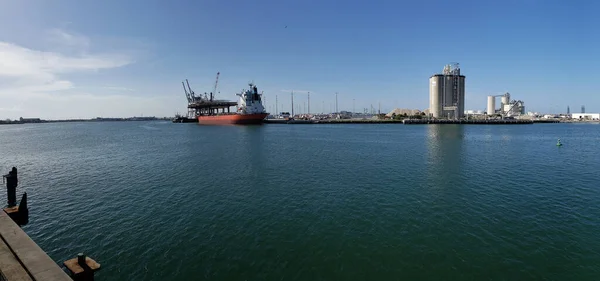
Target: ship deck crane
[{"x": 214, "y": 92}]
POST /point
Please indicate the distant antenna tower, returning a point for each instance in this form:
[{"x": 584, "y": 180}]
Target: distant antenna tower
[{"x": 583, "y": 109}]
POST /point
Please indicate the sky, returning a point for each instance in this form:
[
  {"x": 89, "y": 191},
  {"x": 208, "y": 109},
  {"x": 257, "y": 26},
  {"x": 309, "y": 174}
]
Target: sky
[{"x": 84, "y": 59}]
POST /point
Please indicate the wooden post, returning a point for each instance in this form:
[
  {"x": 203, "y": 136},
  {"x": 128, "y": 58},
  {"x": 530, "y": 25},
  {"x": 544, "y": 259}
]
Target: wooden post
[
  {"x": 82, "y": 268},
  {"x": 11, "y": 187},
  {"x": 19, "y": 214}
]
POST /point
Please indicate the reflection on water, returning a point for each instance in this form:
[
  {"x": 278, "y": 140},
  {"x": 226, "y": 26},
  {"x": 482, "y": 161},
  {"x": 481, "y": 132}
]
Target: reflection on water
[
  {"x": 306, "y": 202},
  {"x": 251, "y": 141},
  {"x": 444, "y": 153}
]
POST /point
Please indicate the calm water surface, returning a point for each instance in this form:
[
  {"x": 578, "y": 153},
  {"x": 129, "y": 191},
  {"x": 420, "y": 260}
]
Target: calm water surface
[{"x": 163, "y": 201}]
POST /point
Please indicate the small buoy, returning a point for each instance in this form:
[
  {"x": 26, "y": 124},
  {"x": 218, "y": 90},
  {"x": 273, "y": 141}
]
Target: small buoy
[{"x": 558, "y": 143}]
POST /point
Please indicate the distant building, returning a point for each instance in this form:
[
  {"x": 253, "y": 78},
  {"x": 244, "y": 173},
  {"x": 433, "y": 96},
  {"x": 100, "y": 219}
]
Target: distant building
[
  {"x": 587, "y": 116},
  {"x": 474, "y": 112},
  {"x": 403, "y": 111},
  {"x": 30, "y": 120},
  {"x": 344, "y": 115},
  {"x": 447, "y": 93},
  {"x": 508, "y": 107}
]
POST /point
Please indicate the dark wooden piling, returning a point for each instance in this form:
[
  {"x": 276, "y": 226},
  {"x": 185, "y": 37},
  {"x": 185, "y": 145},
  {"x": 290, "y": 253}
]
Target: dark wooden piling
[
  {"x": 12, "y": 181},
  {"x": 19, "y": 214},
  {"x": 20, "y": 257},
  {"x": 82, "y": 268}
]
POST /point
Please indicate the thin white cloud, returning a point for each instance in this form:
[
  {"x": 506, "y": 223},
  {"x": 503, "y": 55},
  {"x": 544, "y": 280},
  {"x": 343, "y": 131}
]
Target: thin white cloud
[
  {"x": 120, "y": 89},
  {"x": 36, "y": 82},
  {"x": 11, "y": 109},
  {"x": 52, "y": 86},
  {"x": 50, "y": 61},
  {"x": 33, "y": 70},
  {"x": 87, "y": 105},
  {"x": 24, "y": 63},
  {"x": 61, "y": 37}
]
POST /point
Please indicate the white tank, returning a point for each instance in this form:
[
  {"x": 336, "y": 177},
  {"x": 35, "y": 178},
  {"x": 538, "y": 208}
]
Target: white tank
[
  {"x": 491, "y": 105},
  {"x": 505, "y": 99},
  {"x": 435, "y": 103}
]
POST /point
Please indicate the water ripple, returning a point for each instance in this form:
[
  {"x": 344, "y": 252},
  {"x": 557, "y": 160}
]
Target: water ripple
[{"x": 156, "y": 201}]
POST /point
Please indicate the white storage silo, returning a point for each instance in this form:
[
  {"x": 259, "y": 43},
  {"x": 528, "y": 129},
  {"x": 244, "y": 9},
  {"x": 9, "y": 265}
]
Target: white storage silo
[{"x": 491, "y": 105}]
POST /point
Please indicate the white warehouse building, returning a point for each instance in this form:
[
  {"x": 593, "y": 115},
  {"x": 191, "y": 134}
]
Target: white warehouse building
[{"x": 589, "y": 116}]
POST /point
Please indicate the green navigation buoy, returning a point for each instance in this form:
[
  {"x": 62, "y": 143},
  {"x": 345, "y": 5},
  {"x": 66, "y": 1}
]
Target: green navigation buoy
[{"x": 558, "y": 143}]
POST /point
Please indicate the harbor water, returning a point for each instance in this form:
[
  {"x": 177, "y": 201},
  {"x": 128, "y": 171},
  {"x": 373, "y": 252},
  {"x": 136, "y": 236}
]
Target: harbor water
[{"x": 164, "y": 201}]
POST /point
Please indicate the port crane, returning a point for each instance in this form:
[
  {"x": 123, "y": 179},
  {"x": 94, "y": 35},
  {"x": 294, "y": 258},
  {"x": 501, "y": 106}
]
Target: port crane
[
  {"x": 190, "y": 95},
  {"x": 196, "y": 100},
  {"x": 214, "y": 92},
  {"x": 192, "y": 99},
  {"x": 187, "y": 95}
]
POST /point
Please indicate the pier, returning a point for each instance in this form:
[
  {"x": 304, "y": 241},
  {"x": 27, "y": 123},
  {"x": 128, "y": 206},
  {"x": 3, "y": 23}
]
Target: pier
[
  {"x": 549, "y": 121},
  {"x": 405, "y": 121},
  {"x": 23, "y": 259}
]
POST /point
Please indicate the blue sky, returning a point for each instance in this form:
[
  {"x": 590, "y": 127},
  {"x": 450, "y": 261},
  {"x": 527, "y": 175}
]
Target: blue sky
[{"x": 80, "y": 58}]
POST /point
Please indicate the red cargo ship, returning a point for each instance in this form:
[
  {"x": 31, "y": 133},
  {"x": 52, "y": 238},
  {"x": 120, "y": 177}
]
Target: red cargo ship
[
  {"x": 232, "y": 118},
  {"x": 208, "y": 111},
  {"x": 249, "y": 110}
]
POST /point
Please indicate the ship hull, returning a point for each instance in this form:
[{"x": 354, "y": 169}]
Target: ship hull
[{"x": 237, "y": 119}]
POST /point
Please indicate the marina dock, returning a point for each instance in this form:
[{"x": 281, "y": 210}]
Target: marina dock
[{"x": 22, "y": 259}]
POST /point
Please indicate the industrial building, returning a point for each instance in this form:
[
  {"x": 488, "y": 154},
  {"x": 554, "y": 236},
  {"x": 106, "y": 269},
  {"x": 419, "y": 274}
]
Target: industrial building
[
  {"x": 508, "y": 107},
  {"x": 404, "y": 111},
  {"x": 447, "y": 93},
  {"x": 586, "y": 116},
  {"x": 474, "y": 112}
]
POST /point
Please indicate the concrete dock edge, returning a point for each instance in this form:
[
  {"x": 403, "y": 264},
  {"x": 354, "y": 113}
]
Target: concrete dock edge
[{"x": 33, "y": 260}]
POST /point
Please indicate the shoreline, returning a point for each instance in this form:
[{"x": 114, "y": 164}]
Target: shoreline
[
  {"x": 17, "y": 122},
  {"x": 332, "y": 121},
  {"x": 412, "y": 122}
]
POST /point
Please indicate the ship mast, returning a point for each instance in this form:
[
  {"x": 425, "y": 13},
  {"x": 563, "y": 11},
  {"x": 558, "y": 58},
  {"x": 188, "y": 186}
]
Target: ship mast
[
  {"x": 292, "y": 103},
  {"x": 308, "y": 103}
]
